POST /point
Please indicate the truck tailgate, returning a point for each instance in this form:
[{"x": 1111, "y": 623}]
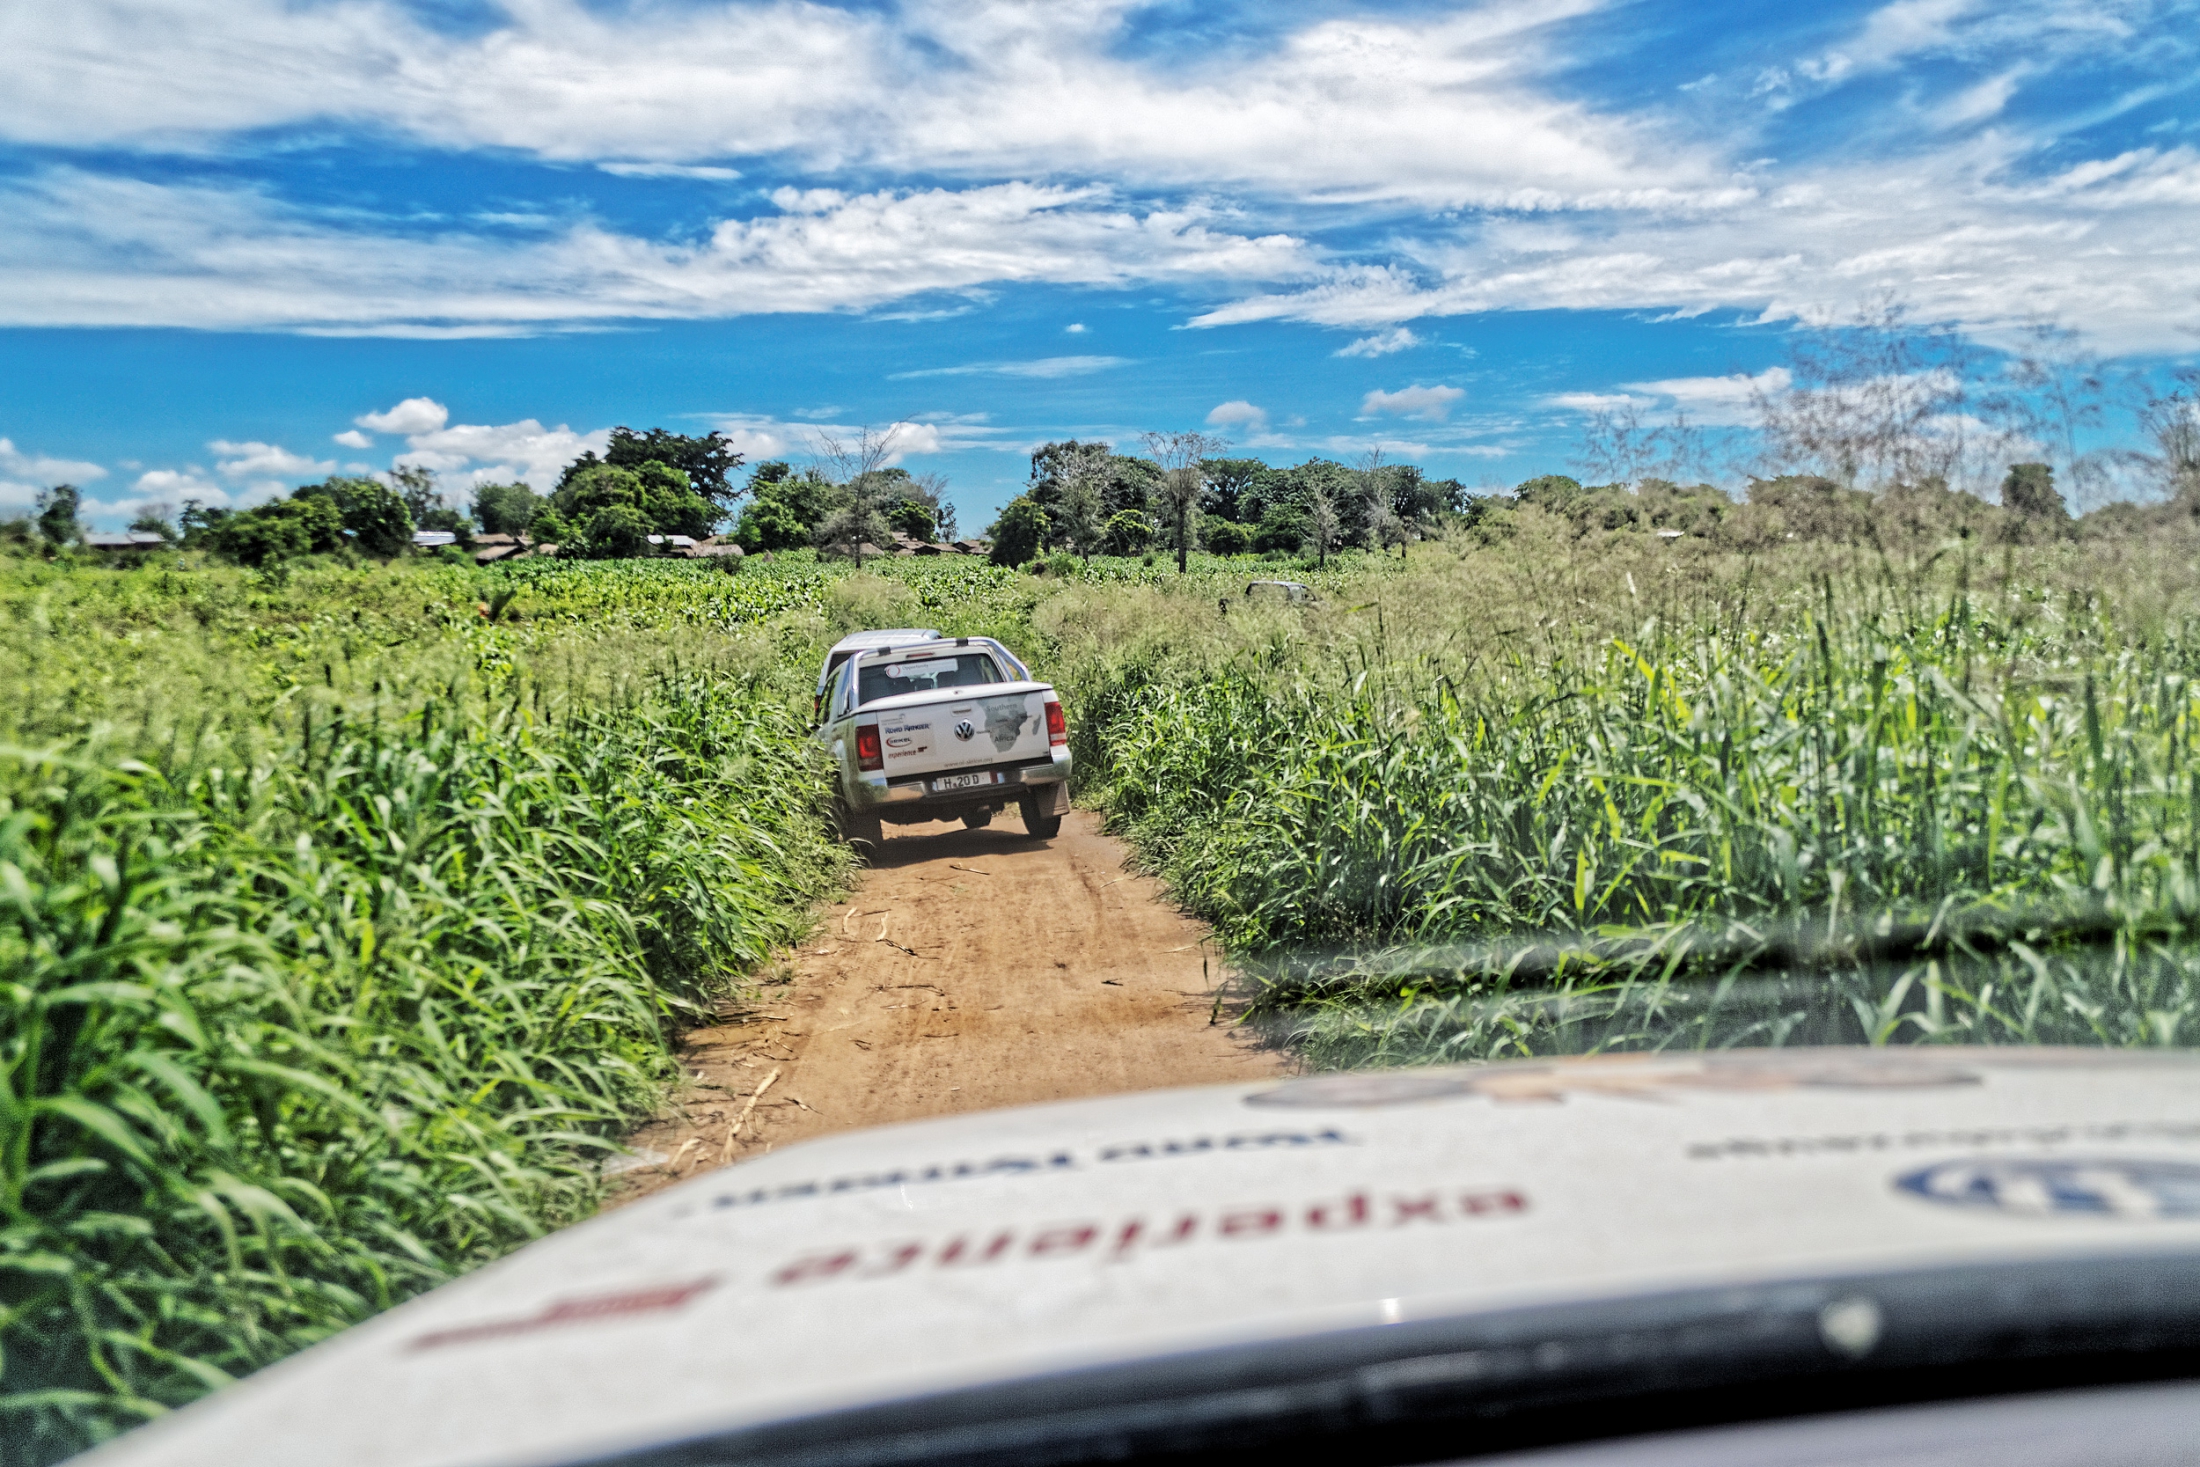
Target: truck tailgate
[{"x": 927, "y": 733}]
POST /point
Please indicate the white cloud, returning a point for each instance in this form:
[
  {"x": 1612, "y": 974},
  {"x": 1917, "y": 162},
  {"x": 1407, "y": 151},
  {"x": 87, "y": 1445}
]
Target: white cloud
[
  {"x": 413, "y": 415},
  {"x": 85, "y": 249},
  {"x": 171, "y": 487},
  {"x": 1075, "y": 328},
  {"x": 1890, "y": 34},
  {"x": 247, "y": 460},
  {"x": 1438, "y": 107},
  {"x": 480, "y": 453},
  {"x": 16, "y": 464},
  {"x": 701, "y": 172},
  {"x": 1431, "y": 404},
  {"x": 1567, "y": 205},
  {"x": 352, "y": 438},
  {"x": 24, "y": 476},
  {"x": 1237, "y": 414},
  {"x": 1382, "y": 344},
  {"x": 1044, "y": 367},
  {"x": 1965, "y": 238},
  {"x": 1714, "y": 402},
  {"x": 759, "y": 438},
  {"x": 1598, "y": 402}
]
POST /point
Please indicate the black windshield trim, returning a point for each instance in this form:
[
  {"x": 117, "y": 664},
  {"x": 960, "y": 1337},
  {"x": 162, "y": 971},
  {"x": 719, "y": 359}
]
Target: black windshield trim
[{"x": 1508, "y": 1379}]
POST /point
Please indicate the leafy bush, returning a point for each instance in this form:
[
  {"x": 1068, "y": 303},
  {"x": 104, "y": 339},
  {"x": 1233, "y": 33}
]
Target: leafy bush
[
  {"x": 375, "y": 517},
  {"x": 307, "y": 524},
  {"x": 1225, "y": 538},
  {"x": 1019, "y": 533},
  {"x": 1128, "y": 533},
  {"x": 615, "y": 532},
  {"x": 2030, "y": 491}
]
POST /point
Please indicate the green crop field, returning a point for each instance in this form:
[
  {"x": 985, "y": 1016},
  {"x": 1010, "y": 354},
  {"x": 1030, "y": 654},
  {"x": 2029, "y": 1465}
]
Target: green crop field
[{"x": 353, "y": 910}]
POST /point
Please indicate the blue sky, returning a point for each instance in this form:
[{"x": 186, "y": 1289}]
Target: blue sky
[{"x": 244, "y": 243}]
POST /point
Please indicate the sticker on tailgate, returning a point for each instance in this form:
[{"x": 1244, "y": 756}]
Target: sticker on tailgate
[{"x": 1006, "y": 718}]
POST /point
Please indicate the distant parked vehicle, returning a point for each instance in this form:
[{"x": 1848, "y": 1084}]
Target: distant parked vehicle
[
  {"x": 1294, "y": 592},
  {"x": 943, "y": 729}
]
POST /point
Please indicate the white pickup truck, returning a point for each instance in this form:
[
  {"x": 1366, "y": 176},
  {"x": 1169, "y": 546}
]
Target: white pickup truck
[{"x": 943, "y": 728}]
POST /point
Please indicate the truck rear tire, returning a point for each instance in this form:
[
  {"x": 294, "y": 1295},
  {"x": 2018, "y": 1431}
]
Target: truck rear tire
[
  {"x": 866, "y": 831},
  {"x": 1043, "y": 827}
]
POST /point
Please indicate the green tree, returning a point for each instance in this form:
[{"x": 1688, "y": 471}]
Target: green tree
[
  {"x": 658, "y": 493},
  {"x": 378, "y": 522},
  {"x": 1552, "y": 493},
  {"x": 198, "y": 522},
  {"x": 613, "y": 532},
  {"x": 860, "y": 518},
  {"x": 866, "y": 487},
  {"x": 1128, "y": 533},
  {"x": 771, "y": 524},
  {"x": 1178, "y": 456},
  {"x": 1019, "y": 533},
  {"x": 1322, "y": 522},
  {"x": 1283, "y": 526},
  {"x": 155, "y": 522},
  {"x": 2030, "y": 491},
  {"x": 426, "y": 507},
  {"x": 1228, "y": 483},
  {"x": 307, "y": 523},
  {"x": 57, "y": 510},
  {"x": 708, "y": 461},
  {"x": 1078, "y": 517},
  {"x": 784, "y": 509},
  {"x": 1226, "y": 537},
  {"x": 506, "y": 509},
  {"x": 912, "y": 517}
]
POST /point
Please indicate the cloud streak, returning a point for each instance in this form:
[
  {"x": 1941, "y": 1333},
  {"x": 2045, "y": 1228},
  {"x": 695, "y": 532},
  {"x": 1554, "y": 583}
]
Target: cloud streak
[{"x": 88, "y": 249}]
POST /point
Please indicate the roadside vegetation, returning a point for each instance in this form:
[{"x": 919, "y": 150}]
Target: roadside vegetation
[{"x": 355, "y": 897}]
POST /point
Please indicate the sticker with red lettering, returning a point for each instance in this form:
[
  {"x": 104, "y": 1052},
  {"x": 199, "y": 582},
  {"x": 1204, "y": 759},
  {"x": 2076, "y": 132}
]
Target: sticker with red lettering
[
  {"x": 571, "y": 1312},
  {"x": 1133, "y": 1236}
]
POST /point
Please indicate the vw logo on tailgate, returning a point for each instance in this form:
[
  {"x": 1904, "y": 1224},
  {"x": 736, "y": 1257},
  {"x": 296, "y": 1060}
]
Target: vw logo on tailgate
[
  {"x": 2095, "y": 1186},
  {"x": 966, "y": 730}
]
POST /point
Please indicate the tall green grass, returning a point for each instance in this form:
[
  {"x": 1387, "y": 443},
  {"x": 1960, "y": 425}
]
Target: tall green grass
[
  {"x": 1412, "y": 852},
  {"x": 319, "y": 992}
]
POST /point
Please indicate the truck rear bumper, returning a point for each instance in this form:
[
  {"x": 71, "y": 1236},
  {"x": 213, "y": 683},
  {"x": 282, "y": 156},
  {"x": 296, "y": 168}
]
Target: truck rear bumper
[{"x": 906, "y": 797}]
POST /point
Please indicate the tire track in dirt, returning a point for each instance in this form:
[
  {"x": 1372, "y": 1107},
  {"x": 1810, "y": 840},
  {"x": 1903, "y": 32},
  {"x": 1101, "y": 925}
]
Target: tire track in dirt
[{"x": 971, "y": 969}]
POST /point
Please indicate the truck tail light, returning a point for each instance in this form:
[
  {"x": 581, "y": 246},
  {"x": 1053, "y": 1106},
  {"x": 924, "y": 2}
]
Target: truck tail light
[
  {"x": 868, "y": 753},
  {"x": 1057, "y": 725}
]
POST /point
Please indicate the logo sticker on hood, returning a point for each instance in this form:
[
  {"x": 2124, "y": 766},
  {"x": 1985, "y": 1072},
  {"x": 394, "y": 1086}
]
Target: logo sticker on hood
[{"x": 2090, "y": 1186}]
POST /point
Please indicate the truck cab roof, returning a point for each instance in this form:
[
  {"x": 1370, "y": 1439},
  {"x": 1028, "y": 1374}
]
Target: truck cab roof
[{"x": 855, "y": 642}]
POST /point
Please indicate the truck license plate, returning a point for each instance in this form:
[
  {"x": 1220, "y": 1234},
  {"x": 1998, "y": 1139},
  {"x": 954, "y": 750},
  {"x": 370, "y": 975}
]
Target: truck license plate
[{"x": 962, "y": 782}]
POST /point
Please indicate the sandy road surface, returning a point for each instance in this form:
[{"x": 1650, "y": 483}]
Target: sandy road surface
[{"x": 973, "y": 969}]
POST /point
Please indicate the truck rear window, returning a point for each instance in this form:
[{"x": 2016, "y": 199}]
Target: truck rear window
[{"x": 887, "y": 679}]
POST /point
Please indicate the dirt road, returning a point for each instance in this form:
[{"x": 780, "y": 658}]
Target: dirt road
[{"x": 973, "y": 969}]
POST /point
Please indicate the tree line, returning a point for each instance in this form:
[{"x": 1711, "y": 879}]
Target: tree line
[{"x": 1184, "y": 494}]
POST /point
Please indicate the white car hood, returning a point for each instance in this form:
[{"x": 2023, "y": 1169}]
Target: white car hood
[{"x": 918, "y": 1258}]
